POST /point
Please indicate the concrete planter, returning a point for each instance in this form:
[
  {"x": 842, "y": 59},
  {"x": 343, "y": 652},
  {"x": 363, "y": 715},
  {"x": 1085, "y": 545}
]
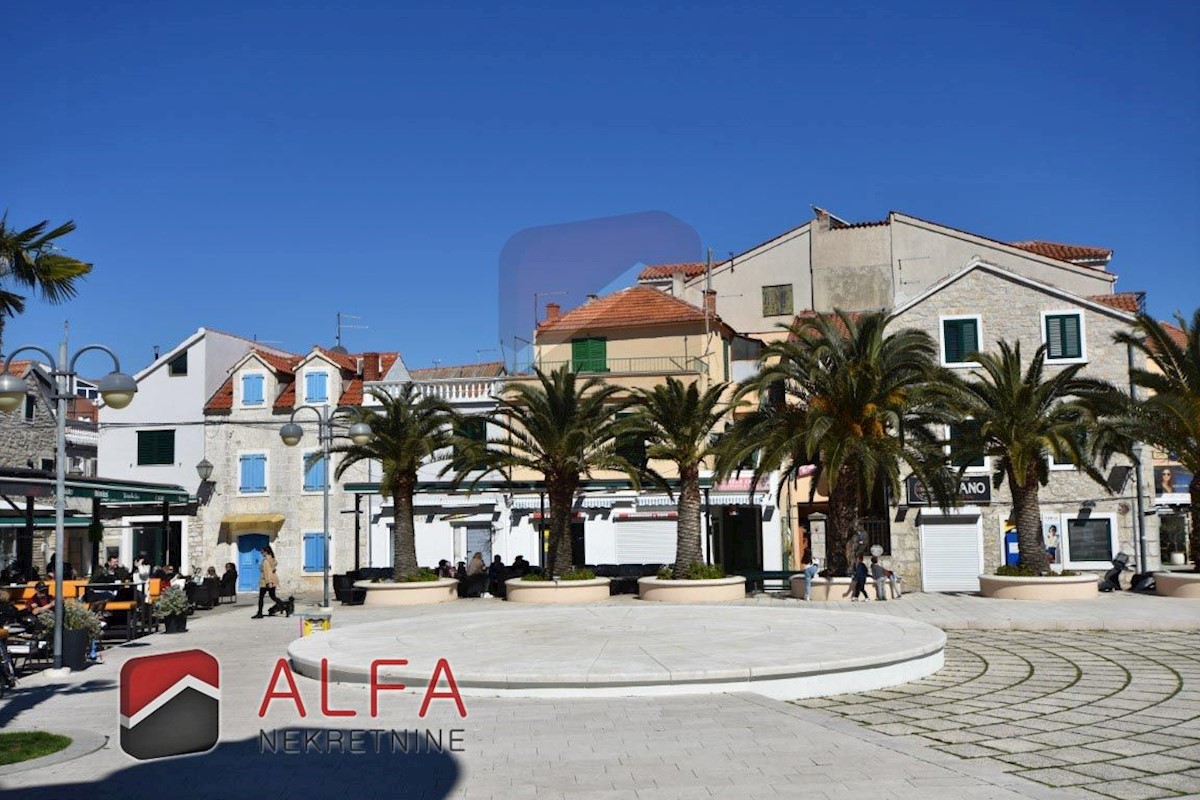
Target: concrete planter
[
  {"x": 716, "y": 590},
  {"x": 1075, "y": 587},
  {"x": 836, "y": 589},
  {"x": 589, "y": 591},
  {"x": 1177, "y": 559},
  {"x": 416, "y": 593},
  {"x": 1177, "y": 584}
]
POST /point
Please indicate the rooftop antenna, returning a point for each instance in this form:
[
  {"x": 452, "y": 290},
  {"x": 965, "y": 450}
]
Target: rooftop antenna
[
  {"x": 479, "y": 353},
  {"x": 337, "y": 348}
]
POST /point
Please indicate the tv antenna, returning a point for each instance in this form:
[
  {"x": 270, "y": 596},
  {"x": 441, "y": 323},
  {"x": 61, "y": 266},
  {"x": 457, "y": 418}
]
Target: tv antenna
[{"x": 341, "y": 315}]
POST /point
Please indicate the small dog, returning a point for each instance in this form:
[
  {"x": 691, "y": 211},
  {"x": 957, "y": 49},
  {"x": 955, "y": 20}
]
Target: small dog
[{"x": 289, "y": 606}]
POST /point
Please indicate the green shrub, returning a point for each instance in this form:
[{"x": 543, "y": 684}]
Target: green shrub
[
  {"x": 171, "y": 602},
  {"x": 76, "y": 617},
  {"x": 665, "y": 574},
  {"x": 705, "y": 572},
  {"x": 532, "y": 576},
  {"x": 579, "y": 574},
  {"x": 1022, "y": 571},
  {"x": 422, "y": 575}
]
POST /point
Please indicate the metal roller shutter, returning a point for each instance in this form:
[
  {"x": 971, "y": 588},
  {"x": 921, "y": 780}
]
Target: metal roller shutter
[
  {"x": 951, "y": 553},
  {"x": 645, "y": 542}
]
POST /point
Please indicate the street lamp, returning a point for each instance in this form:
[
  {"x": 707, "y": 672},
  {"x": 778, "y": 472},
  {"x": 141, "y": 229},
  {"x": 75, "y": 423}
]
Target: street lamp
[
  {"x": 204, "y": 469},
  {"x": 291, "y": 434},
  {"x": 116, "y": 388}
]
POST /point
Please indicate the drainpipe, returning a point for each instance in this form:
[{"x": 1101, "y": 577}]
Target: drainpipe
[{"x": 1137, "y": 472}]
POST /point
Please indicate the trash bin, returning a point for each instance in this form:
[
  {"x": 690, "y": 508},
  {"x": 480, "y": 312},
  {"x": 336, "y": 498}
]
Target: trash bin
[
  {"x": 314, "y": 621},
  {"x": 1012, "y": 550}
]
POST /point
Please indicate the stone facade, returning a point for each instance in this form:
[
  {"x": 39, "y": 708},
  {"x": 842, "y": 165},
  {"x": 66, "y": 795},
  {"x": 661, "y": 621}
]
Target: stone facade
[
  {"x": 29, "y": 440},
  {"x": 1012, "y": 309}
]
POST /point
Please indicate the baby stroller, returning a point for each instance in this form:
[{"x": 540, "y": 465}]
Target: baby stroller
[{"x": 1112, "y": 578}]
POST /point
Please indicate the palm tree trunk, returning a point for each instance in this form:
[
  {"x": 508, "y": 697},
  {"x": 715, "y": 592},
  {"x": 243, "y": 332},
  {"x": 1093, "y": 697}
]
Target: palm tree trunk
[
  {"x": 561, "y": 495},
  {"x": 687, "y": 528},
  {"x": 404, "y": 540},
  {"x": 843, "y": 515},
  {"x": 1028, "y": 515},
  {"x": 1194, "y": 533}
]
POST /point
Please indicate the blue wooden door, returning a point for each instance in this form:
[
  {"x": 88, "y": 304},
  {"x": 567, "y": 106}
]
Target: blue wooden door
[{"x": 249, "y": 560}]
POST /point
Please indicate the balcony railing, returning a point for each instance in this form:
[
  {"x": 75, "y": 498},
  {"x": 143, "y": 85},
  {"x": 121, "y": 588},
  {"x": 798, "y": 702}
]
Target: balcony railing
[
  {"x": 452, "y": 390},
  {"x": 649, "y": 365}
]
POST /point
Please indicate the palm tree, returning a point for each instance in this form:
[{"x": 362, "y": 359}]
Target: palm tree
[
  {"x": 677, "y": 423},
  {"x": 1022, "y": 419},
  {"x": 1169, "y": 418},
  {"x": 859, "y": 408},
  {"x": 406, "y": 432},
  {"x": 29, "y": 259},
  {"x": 560, "y": 429}
]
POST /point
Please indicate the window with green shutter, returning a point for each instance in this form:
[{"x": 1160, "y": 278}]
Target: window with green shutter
[
  {"x": 631, "y": 447},
  {"x": 960, "y": 338},
  {"x": 777, "y": 300},
  {"x": 473, "y": 429},
  {"x": 155, "y": 448},
  {"x": 589, "y": 355},
  {"x": 1063, "y": 336},
  {"x": 962, "y": 453}
]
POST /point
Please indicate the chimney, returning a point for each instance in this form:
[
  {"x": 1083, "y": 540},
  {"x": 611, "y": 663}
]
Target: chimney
[
  {"x": 677, "y": 283},
  {"x": 710, "y": 301},
  {"x": 552, "y": 310},
  {"x": 593, "y": 297}
]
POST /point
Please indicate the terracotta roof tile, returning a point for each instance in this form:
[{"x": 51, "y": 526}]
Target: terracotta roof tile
[
  {"x": 1130, "y": 302},
  {"x": 632, "y": 307},
  {"x": 487, "y": 369},
  {"x": 805, "y": 316},
  {"x": 1176, "y": 333},
  {"x": 690, "y": 269},
  {"x": 18, "y": 368},
  {"x": 1074, "y": 253},
  {"x": 343, "y": 360},
  {"x": 353, "y": 396}
]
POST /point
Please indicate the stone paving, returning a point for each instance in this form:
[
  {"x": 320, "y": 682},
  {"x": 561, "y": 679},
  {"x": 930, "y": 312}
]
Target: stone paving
[
  {"x": 1115, "y": 715},
  {"x": 1097, "y": 704}
]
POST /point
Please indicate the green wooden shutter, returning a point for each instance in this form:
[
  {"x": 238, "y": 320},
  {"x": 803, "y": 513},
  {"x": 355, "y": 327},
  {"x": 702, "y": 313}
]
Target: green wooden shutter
[
  {"x": 599, "y": 355},
  {"x": 961, "y": 337},
  {"x": 589, "y": 355},
  {"x": 580, "y": 353},
  {"x": 156, "y": 447},
  {"x": 1063, "y": 338}
]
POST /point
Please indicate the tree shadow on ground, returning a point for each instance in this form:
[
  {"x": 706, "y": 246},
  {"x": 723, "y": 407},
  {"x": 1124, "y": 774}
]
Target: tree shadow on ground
[
  {"x": 243, "y": 769},
  {"x": 25, "y": 698}
]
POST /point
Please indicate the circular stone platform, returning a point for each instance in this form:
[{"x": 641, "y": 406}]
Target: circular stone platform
[{"x": 610, "y": 651}]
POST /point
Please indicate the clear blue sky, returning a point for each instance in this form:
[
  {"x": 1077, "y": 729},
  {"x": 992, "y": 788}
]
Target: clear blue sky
[{"x": 257, "y": 166}]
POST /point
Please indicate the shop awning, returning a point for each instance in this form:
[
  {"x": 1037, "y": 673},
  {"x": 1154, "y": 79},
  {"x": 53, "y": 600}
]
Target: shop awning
[
  {"x": 233, "y": 525},
  {"x": 41, "y": 483},
  {"x": 45, "y": 522}
]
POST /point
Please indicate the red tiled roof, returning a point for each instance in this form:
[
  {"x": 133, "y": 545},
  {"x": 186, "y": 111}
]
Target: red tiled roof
[
  {"x": 1074, "y": 253},
  {"x": 376, "y": 364},
  {"x": 343, "y": 360},
  {"x": 690, "y": 269},
  {"x": 632, "y": 307},
  {"x": 807, "y": 315},
  {"x": 1176, "y": 333},
  {"x": 18, "y": 368},
  {"x": 1130, "y": 302},
  {"x": 353, "y": 396},
  {"x": 487, "y": 369}
]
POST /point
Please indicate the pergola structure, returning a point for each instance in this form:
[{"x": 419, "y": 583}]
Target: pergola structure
[{"x": 110, "y": 498}]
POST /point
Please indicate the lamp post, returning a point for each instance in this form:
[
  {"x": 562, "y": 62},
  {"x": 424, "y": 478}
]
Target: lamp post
[
  {"x": 116, "y": 388},
  {"x": 291, "y": 433}
]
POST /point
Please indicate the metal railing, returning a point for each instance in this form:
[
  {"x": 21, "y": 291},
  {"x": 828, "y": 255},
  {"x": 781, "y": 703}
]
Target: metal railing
[{"x": 648, "y": 365}]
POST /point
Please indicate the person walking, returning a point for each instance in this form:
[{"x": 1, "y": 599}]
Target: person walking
[
  {"x": 268, "y": 579},
  {"x": 859, "y": 576}
]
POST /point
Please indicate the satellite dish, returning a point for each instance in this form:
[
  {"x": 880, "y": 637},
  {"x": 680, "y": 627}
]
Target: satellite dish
[{"x": 341, "y": 351}]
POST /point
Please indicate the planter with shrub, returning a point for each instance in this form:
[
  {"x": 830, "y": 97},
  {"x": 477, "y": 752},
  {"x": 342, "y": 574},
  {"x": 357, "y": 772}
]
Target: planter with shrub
[
  {"x": 1177, "y": 584},
  {"x": 580, "y": 585},
  {"x": 1022, "y": 583},
  {"x": 81, "y": 627},
  {"x": 705, "y": 583},
  {"x": 172, "y": 608},
  {"x": 420, "y": 588}
]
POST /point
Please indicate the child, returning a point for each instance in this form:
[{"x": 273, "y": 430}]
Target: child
[{"x": 877, "y": 572}]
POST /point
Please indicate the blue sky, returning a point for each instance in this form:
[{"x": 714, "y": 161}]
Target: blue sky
[{"x": 258, "y": 166}]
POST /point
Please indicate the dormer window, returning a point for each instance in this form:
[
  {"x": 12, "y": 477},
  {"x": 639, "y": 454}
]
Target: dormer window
[
  {"x": 316, "y": 387},
  {"x": 252, "y": 390}
]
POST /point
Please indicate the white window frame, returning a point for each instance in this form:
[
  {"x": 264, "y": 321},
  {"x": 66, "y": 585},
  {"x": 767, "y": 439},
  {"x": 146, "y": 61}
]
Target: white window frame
[
  {"x": 241, "y": 389},
  {"x": 942, "y": 320},
  {"x": 1083, "y": 350},
  {"x": 1057, "y": 467},
  {"x": 986, "y": 469},
  {"x": 266, "y": 472},
  {"x": 303, "y": 473},
  {"x": 1064, "y": 540},
  {"x": 328, "y": 387}
]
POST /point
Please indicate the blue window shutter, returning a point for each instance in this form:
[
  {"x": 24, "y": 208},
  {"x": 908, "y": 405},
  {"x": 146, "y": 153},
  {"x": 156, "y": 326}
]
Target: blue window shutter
[
  {"x": 244, "y": 474},
  {"x": 314, "y": 476},
  {"x": 316, "y": 387},
  {"x": 260, "y": 473},
  {"x": 253, "y": 473},
  {"x": 252, "y": 390},
  {"x": 314, "y": 552}
]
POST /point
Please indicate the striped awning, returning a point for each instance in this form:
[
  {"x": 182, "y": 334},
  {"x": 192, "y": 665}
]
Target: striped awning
[{"x": 737, "y": 499}]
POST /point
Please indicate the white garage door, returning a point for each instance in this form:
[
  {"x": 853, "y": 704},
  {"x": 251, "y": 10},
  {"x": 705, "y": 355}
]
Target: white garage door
[
  {"x": 951, "y": 553},
  {"x": 645, "y": 542}
]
